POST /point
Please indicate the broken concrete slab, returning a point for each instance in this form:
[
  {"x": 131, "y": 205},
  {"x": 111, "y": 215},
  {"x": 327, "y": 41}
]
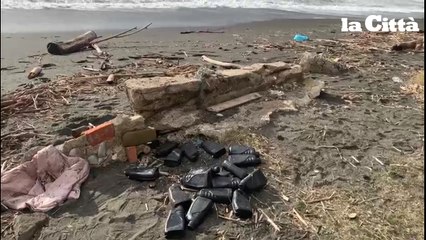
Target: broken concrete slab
[
  {"x": 157, "y": 93},
  {"x": 232, "y": 83},
  {"x": 150, "y": 96},
  {"x": 28, "y": 226},
  {"x": 316, "y": 63},
  {"x": 124, "y": 123}
]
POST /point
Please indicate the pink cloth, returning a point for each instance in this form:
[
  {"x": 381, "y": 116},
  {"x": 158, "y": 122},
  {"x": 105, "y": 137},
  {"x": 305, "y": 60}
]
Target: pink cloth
[{"x": 45, "y": 182}]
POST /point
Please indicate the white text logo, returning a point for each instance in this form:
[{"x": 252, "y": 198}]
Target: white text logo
[{"x": 375, "y": 23}]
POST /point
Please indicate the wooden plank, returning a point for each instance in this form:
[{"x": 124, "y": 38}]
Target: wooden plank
[{"x": 234, "y": 102}]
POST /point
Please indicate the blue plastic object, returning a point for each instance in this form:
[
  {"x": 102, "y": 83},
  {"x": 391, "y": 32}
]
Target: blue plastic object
[{"x": 300, "y": 38}]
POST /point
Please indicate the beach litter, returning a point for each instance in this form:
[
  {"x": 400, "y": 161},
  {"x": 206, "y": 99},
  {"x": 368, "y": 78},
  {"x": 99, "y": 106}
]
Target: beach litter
[
  {"x": 230, "y": 182},
  {"x": 45, "y": 182},
  {"x": 300, "y": 38},
  {"x": 35, "y": 72},
  {"x": 201, "y": 31}
]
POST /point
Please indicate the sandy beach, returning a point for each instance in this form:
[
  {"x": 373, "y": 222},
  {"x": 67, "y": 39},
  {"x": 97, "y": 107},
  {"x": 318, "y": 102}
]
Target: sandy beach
[
  {"x": 16, "y": 47},
  {"x": 316, "y": 190}
]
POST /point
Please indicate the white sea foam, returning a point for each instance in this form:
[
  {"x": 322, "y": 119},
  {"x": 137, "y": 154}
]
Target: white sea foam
[{"x": 340, "y": 7}]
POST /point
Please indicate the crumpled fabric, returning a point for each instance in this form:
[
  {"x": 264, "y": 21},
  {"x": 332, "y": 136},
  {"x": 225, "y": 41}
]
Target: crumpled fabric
[{"x": 45, "y": 182}]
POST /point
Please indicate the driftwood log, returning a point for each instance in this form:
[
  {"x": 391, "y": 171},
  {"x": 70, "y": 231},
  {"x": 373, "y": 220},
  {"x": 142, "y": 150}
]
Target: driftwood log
[
  {"x": 75, "y": 45},
  {"x": 87, "y": 40}
]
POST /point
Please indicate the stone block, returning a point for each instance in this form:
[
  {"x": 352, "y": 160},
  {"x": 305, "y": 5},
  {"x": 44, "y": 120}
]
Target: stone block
[
  {"x": 138, "y": 137},
  {"x": 316, "y": 63},
  {"x": 157, "y": 93},
  {"x": 125, "y": 123},
  {"x": 232, "y": 83},
  {"x": 295, "y": 73},
  {"x": 155, "y": 97}
]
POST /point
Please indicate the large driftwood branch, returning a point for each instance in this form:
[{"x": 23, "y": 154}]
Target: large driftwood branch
[
  {"x": 75, "y": 45},
  {"x": 85, "y": 41},
  {"x": 122, "y": 34}
]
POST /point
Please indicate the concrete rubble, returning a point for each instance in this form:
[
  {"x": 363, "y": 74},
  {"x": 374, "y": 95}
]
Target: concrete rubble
[
  {"x": 149, "y": 96},
  {"x": 317, "y": 63},
  {"x": 170, "y": 103},
  {"x": 127, "y": 130}
]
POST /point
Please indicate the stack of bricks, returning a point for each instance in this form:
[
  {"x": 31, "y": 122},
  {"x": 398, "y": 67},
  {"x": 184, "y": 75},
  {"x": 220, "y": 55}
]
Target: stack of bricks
[{"x": 123, "y": 137}]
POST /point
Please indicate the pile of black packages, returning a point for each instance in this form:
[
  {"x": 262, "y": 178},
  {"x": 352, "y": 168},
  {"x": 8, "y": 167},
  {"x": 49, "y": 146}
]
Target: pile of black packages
[{"x": 230, "y": 182}]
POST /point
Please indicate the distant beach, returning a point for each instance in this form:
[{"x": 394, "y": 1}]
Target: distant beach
[{"x": 66, "y": 20}]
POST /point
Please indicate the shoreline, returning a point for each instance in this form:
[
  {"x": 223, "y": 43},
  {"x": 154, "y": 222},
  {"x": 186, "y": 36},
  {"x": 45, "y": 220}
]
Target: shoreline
[
  {"x": 39, "y": 21},
  {"x": 68, "y": 20}
]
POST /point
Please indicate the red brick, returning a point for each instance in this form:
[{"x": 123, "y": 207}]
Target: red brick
[
  {"x": 100, "y": 133},
  {"x": 132, "y": 154}
]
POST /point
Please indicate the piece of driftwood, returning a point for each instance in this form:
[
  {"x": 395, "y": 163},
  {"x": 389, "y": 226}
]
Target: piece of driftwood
[
  {"x": 98, "y": 49},
  {"x": 222, "y": 64},
  {"x": 122, "y": 34},
  {"x": 234, "y": 102},
  {"x": 75, "y": 45},
  {"x": 188, "y": 32},
  {"x": 86, "y": 40},
  {"x": 118, "y": 76},
  {"x": 35, "y": 72}
]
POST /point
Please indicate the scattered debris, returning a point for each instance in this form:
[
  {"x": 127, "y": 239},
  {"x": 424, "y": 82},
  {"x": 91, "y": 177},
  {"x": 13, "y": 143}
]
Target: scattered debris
[
  {"x": 222, "y": 64},
  {"x": 59, "y": 178},
  {"x": 300, "y": 38},
  {"x": 202, "y": 31},
  {"x": 314, "y": 88},
  {"x": 203, "y": 179},
  {"x": 47, "y": 98},
  {"x": 110, "y": 79},
  {"x": 35, "y": 72},
  {"x": 315, "y": 63},
  {"x": 397, "y": 80}
]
